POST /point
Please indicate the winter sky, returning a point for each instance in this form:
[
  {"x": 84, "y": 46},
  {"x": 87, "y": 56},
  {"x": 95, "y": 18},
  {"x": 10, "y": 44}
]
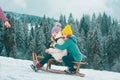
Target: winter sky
[{"x": 53, "y": 8}]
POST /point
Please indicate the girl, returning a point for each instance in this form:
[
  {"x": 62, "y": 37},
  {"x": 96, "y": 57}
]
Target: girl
[
  {"x": 52, "y": 52},
  {"x": 56, "y": 53}
]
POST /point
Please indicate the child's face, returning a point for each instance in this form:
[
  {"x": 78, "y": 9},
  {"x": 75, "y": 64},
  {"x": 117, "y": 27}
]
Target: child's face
[
  {"x": 64, "y": 36},
  {"x": 54, "y": 34}
]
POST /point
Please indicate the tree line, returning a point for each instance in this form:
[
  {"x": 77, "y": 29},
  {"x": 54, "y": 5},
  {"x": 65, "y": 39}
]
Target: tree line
[{"x": 98, "y": 37}]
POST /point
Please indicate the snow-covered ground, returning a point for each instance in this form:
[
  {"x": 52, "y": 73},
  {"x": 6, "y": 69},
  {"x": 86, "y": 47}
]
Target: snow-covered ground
[{"x": 16, "y": 69}]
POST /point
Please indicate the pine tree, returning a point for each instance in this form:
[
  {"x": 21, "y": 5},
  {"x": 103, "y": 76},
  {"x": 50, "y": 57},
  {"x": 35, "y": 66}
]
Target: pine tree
[
  {"x": 94, "y": 48},
  {"x": 113, "y": 46},
  {"x": 31, "y": 42},
  {"x": 41, "y": 42},
  {"x": 84, "y": 24},
  {"x": 62, "y": 20},
  {"x": 71, "y": 20},
  {"x": 1, "y": 37},
  {"x": 104, "y": 25},
  {"x": 75, "y": 29}
]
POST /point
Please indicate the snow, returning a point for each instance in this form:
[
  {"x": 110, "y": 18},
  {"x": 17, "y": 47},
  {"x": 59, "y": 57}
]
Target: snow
[{"x": 16, "y": 69}]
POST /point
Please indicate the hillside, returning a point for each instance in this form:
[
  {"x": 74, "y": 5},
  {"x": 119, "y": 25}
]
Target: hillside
[
  {"x": 98, "y": 38},
  {"x": 16, "y": 69}
]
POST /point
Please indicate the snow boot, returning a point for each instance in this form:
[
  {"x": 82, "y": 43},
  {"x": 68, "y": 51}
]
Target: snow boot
[
  {"x": 34, "y": 67},
  {"x": 70, "y": 71},
  {"x": 38, "y": 66}
]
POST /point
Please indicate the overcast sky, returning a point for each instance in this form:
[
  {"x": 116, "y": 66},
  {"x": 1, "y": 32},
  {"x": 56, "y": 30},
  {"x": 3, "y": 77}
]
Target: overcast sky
[{"x": 53, "y": 8}]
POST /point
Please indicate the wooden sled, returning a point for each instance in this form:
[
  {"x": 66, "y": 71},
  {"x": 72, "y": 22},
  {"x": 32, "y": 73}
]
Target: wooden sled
[{"x": 48, "y": 68}]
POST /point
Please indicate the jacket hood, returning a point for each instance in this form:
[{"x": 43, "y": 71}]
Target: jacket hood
[{"x": 73, "y": 38}]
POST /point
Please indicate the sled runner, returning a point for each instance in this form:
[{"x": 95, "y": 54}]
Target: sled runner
[{"x": 48, "y": 68}]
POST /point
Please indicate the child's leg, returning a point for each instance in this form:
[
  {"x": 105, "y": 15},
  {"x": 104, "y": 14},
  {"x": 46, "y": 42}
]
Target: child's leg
[
  {"x": 45, "y": 59},
  {"x": 68, "y": 61}
]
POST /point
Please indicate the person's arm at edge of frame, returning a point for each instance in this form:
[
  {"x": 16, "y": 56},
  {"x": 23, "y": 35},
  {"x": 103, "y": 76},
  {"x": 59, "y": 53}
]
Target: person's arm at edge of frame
[
  {"x": 63, "y": 46},
  {"x": 4, "y": 19}
]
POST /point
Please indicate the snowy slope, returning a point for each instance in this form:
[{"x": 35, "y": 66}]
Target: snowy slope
[{"x": 16, "y": 69}]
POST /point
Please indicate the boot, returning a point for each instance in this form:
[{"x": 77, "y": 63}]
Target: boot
[
  {"x": 34, "y": 67},
  {"x": 70, "y": 71},
  {"x": 38, "y": 66}
]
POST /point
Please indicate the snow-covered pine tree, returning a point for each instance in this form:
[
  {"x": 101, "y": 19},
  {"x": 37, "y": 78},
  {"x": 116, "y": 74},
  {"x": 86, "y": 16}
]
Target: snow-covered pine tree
[
  {"x": 62, "y": 20},
  {"x": 113, "y": 46},
  {"x": 1, "y": 37},
  {"x": 84, "y": 24}
]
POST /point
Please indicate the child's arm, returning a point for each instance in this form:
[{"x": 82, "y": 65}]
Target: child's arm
[
  {"x": 53, "y": 50},
  {"x": 52, "y": 39},
  {"x": 63, "y": 46}
]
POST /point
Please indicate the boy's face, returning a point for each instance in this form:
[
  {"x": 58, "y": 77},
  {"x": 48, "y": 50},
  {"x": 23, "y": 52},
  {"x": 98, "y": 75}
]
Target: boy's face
[{"x": 64, "y": 36}]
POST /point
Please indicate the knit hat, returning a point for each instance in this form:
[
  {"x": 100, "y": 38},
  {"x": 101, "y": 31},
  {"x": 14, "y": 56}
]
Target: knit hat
[
  {"x": 56, "y": 28},
  {"x": 67, "y": 30}
]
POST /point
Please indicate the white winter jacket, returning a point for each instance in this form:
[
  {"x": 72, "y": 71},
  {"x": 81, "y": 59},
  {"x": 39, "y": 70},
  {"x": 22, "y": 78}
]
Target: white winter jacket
[{"x": 56, "y": 53}]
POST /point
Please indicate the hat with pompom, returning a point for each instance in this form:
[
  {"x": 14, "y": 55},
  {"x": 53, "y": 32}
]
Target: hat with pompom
[
  {"x": 67, "y": 30},
  {"x": 56, "y": 28}
]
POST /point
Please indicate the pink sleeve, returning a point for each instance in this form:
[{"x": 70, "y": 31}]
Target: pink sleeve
[{"x": 2, "y": 16}]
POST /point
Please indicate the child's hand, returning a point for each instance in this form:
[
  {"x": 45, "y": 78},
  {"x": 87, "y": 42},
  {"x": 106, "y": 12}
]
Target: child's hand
[
  {"x": 47, "y": 51},
  {"x": 52, "y": 38}
]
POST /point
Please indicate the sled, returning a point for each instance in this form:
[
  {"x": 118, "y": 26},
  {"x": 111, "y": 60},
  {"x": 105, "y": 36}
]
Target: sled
[
  {"x": 48, "y": 68},
  {"x": 57, "y": 71}
]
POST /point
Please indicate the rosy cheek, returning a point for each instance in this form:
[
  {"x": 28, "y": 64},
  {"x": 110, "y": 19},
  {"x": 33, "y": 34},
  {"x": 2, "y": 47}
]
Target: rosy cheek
[{"x": 52, "y": 34}]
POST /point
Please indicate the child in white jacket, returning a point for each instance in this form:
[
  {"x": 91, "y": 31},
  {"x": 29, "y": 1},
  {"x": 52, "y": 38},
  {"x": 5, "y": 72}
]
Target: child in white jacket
[
  {"x": 57, "y": 53},
  {"x": 53, "y": 52}
]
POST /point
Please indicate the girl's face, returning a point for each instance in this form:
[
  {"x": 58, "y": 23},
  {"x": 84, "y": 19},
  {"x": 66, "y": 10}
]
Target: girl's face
[{"x": 54, "y": 34}]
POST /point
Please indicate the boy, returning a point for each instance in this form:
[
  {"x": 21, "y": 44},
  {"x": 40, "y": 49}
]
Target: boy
[{"x": 71, "y": 45}]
